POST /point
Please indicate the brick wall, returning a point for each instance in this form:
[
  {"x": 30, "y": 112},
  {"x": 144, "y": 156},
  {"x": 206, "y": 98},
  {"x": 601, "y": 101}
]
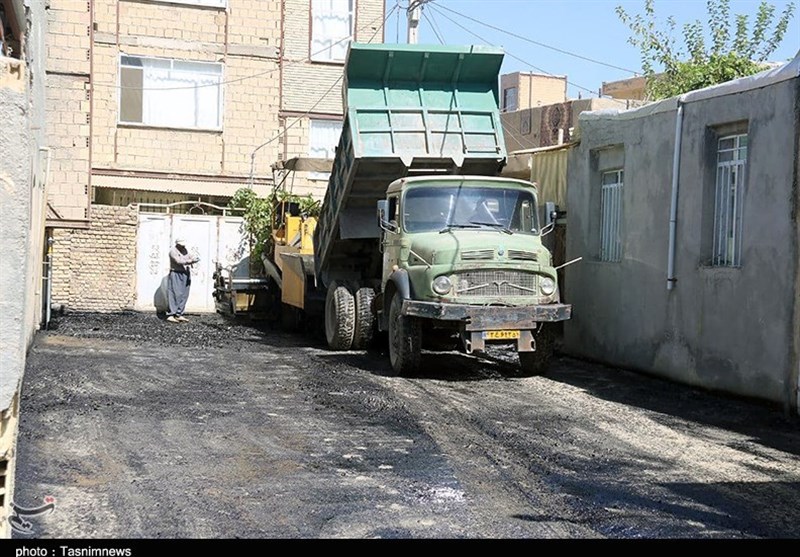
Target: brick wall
[
  {"x": 296, "y": 139},
  {"x": 95, "y": 269},
  {"x": 67, "y": 105},
  {"x": 245, "y": 39},
  {"x": 304, "y": 82},
  {"x": 68, "y": 23}
]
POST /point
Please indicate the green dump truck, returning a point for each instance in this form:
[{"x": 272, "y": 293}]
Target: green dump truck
[{"x": 418, "y": 235}]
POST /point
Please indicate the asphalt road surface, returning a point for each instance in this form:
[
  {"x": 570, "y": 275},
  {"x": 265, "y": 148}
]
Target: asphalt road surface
[{"x": 219, "y": 429}]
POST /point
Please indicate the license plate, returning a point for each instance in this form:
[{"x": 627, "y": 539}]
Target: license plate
[{"x": 500, "y": 335}]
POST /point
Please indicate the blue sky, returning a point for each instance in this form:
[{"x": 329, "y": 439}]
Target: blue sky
[{"x": 588, "y": 28}]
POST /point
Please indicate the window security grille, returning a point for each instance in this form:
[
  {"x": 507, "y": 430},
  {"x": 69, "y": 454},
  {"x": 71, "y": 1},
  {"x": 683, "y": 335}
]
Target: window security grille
[
  {"x": 729, "y": 193},
  {"x": 610, "y": 212}
]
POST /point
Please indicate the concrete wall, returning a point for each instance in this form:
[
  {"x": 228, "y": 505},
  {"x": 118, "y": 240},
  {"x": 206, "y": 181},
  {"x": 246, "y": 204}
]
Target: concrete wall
[
  {"x": 95, "y": 269},
  {"x": 22, "y": 190},
  {"x": 22, "y": 168},
  {"x": 15, "y": 168},
  {"x": 731, "y": 329}
]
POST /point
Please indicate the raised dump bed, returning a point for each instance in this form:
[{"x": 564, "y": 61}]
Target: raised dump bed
[{"x": 409, "y": 110}]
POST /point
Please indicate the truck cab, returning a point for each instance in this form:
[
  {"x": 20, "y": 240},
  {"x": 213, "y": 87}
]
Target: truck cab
[{"x": 464, "y": 255}]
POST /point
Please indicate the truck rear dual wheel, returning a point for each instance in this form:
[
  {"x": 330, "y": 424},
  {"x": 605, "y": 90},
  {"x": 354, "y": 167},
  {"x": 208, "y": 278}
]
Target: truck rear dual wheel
[
  {"x": 365, "y": 318},
  {"x": 340, "y": 316},
  {"x": 405, "y": 340},
  {"x": 537, "y": 362}
]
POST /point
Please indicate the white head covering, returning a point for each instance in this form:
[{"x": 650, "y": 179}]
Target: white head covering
[{"x": 180, "y": 240}]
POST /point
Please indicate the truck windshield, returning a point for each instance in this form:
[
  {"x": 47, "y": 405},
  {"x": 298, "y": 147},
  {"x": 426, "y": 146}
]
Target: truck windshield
[{"x": 440, "y": 208}]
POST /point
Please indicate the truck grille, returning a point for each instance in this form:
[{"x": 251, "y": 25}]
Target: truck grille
[{"x": 495, "y": 283}]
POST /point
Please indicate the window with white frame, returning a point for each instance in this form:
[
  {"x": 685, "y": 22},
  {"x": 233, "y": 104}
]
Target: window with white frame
[
  {"x": 323, "y": 137},
  {"x": 209, "y": 3},
  {"x": 510, "y": 99},
  {"x": 728, "y": 197},
  {"x": 332, "y": 27},
  {"x": 610, "y": 213},
  {"x": 170, "y": 93}
]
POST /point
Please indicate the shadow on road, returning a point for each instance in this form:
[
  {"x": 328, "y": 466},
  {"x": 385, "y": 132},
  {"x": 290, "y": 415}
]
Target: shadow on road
[
  {"x": 766, "y": 423},
  {"x": 441, "y": 366}
]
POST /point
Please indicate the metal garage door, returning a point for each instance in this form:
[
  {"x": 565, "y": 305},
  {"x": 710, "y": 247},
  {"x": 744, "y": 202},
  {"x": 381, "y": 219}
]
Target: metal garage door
[{"x": 214, "y": 238}]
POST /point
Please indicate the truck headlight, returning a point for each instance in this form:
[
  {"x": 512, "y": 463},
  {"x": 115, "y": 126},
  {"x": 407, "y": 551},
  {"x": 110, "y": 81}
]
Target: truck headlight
[
  {"x": 442, "y": 285},
  {"x": 547, "y": 286}
]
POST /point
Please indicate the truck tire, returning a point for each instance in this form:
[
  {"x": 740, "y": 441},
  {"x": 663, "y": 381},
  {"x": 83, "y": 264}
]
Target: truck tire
[
  {"x": 365, "y": 318},
  {"x": 405, "y": 340},
  {"x": 340, "y": 316},
  {"x": 537, "y": 362}
]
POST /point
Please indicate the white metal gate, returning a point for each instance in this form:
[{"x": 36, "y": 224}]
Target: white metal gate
[{"x": 214, "y": 238}]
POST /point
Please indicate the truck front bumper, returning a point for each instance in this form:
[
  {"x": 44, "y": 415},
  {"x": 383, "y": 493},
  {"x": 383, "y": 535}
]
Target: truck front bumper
[
  {"x": 489, "y": 318},
  {"x": 474, "y": 321}
]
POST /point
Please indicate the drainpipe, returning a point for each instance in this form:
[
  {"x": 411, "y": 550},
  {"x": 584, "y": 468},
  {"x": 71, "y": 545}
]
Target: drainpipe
[
  {"x": 45, "y": 296},
  {"x": 673, "y": 207},
  {"x": 91, "y": 110},
  {"x": 49, "y": 279}
]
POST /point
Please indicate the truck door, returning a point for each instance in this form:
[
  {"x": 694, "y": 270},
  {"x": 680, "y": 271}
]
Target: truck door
[{"x": 390, "y": 241}]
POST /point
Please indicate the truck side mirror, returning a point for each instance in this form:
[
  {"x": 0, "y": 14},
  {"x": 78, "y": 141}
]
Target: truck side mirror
[
  {"x": 550, "y": 213},
  {"x": 383, "y": 208},
  {"x": 550, "y": 217}
]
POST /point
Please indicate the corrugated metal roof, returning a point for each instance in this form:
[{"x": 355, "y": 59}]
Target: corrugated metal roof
[{"x": 175, "y": 185}]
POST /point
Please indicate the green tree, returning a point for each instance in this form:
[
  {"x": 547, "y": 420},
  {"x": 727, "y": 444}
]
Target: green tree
[
  {"x": 727, "y": 48},
  {"x": 257, "y": 213}
]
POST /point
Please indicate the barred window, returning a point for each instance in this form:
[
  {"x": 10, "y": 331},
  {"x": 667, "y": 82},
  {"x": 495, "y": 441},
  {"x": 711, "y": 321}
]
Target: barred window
[
  {"x": 610, "y": 213},
  {"x": 729, "y": 193}
]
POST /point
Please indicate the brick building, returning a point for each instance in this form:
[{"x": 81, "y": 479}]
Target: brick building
[
  {"x": 156, "y": 102},
  {"x": 521, "y": 90}
]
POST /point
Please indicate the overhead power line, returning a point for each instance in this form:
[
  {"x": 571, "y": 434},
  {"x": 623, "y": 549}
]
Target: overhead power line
[
  {"x": 433, "y": 27},
  {"x": 509, "y": 54},
  {"x": 537, "y": 43}
]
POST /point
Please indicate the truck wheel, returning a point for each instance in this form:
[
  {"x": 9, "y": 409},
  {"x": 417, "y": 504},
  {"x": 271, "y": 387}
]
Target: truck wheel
[
  {"x": 538, "y": 361},
  {"x": 405, "y": 340},
  {"x": 365, "y": 318},
  {"x": 340, "y": 316}
]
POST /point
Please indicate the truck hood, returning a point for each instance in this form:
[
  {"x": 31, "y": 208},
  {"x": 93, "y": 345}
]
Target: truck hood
[{"x": 458, "y": 247}]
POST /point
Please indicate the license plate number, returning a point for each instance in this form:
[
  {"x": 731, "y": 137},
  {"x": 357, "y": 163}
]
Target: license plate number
[{"x": 500, "y": 335}]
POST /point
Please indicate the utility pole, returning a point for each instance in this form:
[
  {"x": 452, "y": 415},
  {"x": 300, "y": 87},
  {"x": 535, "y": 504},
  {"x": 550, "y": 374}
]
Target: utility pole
[{"x": 414, "y": 12}]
